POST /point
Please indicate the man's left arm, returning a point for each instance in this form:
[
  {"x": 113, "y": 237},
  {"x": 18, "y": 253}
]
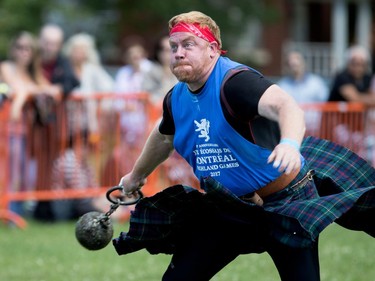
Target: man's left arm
[{"x": 278, "y": 106}]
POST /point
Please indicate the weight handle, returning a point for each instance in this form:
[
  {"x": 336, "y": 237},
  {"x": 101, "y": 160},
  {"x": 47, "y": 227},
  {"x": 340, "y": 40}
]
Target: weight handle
[{"x": 120, "y": 202}]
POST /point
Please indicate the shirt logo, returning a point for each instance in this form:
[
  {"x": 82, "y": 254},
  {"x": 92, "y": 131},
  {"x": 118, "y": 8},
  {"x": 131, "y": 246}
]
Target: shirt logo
[{"x": 204, "y": 128}]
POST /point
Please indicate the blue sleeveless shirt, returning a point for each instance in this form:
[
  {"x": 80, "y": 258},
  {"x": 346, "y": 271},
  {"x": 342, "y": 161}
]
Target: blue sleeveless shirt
[{"x": 210, "y": 145}]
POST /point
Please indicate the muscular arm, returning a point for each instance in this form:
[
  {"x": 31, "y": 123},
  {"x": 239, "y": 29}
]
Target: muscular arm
[
  {"x": 277, "y": 105},
  {"x": 157, "y": 149}
]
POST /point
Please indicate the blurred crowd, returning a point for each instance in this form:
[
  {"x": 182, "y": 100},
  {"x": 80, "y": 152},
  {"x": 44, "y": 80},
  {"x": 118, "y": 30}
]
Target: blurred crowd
[
  {"x": 46, "y": 71},
  {"x": 43, "y": 73},
  {"x": 354, "y": 83}
]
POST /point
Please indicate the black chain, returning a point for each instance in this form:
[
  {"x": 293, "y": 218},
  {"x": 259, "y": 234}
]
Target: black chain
[
  {"x": 105, "y": 217},
  {"x": 112, "y": 209},
  {"x": 118, "y": 202}
]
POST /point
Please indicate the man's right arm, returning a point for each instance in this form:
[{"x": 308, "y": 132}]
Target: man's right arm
[{"x": 157, "y": 149}]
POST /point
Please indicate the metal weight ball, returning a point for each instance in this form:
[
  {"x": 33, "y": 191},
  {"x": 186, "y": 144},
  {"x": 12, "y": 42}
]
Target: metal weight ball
[{"x": 94, "y": 230}]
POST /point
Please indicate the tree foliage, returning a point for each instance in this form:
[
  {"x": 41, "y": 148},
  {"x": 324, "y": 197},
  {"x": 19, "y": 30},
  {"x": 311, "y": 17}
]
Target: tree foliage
[
  {"x": 110, "y": 20},
  {"x": 16, "y": 16}
]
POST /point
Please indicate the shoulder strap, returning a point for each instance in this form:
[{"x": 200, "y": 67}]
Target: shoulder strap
[
  {"x": 225, "y": 102},
  {"x": 168, "y": 101},
  {"x": 227, "y": 76}
]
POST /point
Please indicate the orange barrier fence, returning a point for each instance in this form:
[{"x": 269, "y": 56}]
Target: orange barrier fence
[
  {"x": 349, "y": 124},
  {"x": 341, "y": 122},
  {"x": 77, "y": 149},
  {"x": 83, "y": 146}
]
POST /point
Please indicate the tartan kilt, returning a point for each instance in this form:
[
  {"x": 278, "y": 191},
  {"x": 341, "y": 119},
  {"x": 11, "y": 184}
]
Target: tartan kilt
[
  {"x": 341, "y": 173},
  {"x": 342, "y": 191}
]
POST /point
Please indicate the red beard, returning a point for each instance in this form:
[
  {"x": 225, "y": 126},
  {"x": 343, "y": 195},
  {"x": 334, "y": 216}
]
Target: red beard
[{"x": 182, "y": 71}]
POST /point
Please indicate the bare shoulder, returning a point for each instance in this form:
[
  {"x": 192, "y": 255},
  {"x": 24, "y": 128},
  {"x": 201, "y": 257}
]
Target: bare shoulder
[
  {"x": 6, "y": 65},
  {"x": 7, "y": 69}
]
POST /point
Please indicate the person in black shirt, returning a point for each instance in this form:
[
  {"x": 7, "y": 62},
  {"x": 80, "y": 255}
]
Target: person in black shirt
[{"x": 353, "y": 83}]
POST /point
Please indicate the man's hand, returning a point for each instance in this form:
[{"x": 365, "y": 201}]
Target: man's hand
[
  {"x": 286, "y": 158},
  {"x": 131, "y": 184}
]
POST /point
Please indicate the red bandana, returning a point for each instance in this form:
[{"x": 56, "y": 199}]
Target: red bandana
[{"x": 194, "y": 28}]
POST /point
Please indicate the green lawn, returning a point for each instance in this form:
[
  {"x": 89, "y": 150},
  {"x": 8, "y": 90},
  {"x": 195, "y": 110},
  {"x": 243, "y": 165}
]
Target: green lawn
[{"x": 49, "y": 252}]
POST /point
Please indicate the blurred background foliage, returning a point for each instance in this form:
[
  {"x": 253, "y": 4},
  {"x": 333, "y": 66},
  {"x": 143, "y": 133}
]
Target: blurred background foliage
[{"x": 110, "y": 21}]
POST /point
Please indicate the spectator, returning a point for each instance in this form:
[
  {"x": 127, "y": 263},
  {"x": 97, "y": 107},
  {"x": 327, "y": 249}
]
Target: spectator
[
  {"x": 47, "y": 131},
  {"x": 304, "y": 87},
  {"x": 22, "y": 73},
  {"x": 353, "y": 82},
  {"x": 159, "y": 80},
  {"x": 129, "y": 80},
  {"x": 83, "y": 56},
  {"x": 94, "y": 79},
  {"x": 56, "y": 68}
]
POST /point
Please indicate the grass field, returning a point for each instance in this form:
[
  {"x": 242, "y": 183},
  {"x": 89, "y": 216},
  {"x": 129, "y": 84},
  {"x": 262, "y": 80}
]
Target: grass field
[{"x": 49, "y": 252}]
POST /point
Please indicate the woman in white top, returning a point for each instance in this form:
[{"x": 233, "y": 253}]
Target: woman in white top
[
  {"x": 83, "y": 55},
  {"x": 94, "y": 79}
]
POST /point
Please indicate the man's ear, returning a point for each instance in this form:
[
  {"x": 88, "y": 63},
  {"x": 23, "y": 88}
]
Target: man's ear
[{"x": 214, "y": 47}]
